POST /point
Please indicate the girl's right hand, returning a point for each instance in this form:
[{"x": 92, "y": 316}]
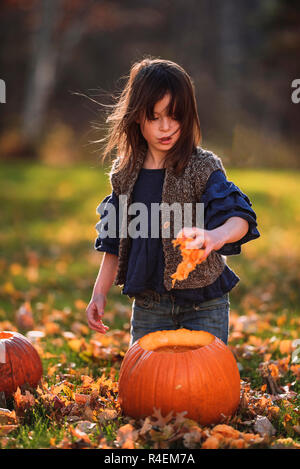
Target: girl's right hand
[{"x": 95, "y": 311}]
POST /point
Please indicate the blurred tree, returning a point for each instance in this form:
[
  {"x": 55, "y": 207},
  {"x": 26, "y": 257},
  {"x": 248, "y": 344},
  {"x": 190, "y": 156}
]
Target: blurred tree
[{"x": 59, "y": 28}]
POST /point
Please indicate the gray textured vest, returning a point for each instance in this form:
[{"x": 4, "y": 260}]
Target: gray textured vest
[{"x": 188, "y": 187}]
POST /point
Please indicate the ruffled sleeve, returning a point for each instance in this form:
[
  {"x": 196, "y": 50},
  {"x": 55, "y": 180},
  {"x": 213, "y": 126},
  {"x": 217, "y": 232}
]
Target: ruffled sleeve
[
  {"x": 222, "y": 200},
  {"x": 108, "y": 242}
]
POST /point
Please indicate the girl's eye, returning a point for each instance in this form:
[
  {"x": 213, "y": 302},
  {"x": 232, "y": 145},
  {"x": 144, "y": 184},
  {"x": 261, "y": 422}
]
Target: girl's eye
[{"x": 171, "y": 117}]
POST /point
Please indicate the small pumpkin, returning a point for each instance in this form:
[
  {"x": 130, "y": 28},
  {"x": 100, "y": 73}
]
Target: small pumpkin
[
  {"x": 179, "y": 370},
  {"x": 20, "y": 363}
]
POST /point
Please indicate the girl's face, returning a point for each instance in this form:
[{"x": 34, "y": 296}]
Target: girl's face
[{"x": 162, "y": 132}]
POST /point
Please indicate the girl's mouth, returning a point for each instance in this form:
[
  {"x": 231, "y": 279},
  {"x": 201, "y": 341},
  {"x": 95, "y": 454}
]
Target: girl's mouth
[{"x": 165, "y": 140}]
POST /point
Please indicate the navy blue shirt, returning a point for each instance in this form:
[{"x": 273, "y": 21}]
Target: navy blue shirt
[{"x": 222, "y": 199}]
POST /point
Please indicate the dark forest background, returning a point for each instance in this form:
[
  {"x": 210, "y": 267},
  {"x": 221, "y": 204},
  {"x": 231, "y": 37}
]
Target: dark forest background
[{"x": 59, "y": 58}]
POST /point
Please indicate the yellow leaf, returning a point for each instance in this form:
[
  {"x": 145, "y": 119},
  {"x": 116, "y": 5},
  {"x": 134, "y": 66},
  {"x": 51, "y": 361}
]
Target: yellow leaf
[
  {"x": 52, "y": 328},
  {"x": 16, "y": 269},
  {"x": 285, "y": 346},
  {"x": 75, "y": 344},
  {"x": 281, "y": 320},
  {"x": 8, "y": 288},
  {"x": 24, "y": 317}
]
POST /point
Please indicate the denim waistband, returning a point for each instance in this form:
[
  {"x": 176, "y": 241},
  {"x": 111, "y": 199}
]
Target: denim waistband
[{"x": 154, "y": 295}]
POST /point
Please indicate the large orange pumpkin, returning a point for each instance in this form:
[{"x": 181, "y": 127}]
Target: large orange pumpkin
[
  {"x": 20, "y": 363},
  {"x": 180, "y": 370}
]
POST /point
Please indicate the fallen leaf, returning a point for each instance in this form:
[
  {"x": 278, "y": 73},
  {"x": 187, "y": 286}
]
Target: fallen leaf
[
  {"x": 263, "y": 426},
  {"x": 6, "y": 429},
  {"x": 226, "y": 431},
  {"x": 23, "y": 401},
  {"x": 24, "y": 317},
  {"x": 285, "y": 346},
  {"x": 126, "y": 436},
  {"x": 107, "y": 414},
  {"x": 7, "y": 417},
  {"x": 211, "y": 443},
  {"x": 86, "y": 426},
  {"x": 160, "y": 420},
  {"x": 77, "y": 433}
]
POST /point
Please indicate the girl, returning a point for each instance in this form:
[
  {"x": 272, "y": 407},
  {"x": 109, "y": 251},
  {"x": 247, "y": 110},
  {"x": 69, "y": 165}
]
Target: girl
[{"x": 155, "y": 128}]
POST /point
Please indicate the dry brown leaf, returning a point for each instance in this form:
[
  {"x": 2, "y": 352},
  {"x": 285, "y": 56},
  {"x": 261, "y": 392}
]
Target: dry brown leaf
[
  {"x": 82, "y": 399},
  {"x": 86, "y": 426},
  {"x": 193, "y": 437},
  {"x": 52, "y": 328},
  {"x": 160, "y": 420},
  {"x": 146, "y": 426},
  {"x": 23, "y": 401},
  {"x": 7, "y": 417},
  {"x": 226, "y": 431},
  {"x": 86, "y": 381},
  {"x": 24, "y": 317},
  {"x": 79, "y": 328},
  {"x": 212, "y": 442},
  {"x": 77, "y": 433},
  {"x": 6, "y": 429},
  {"x": 107, "y": 414},
  {"x": 126, "y": 436}
]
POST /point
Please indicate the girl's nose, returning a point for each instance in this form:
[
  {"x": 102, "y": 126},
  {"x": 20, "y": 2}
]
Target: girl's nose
[{"x": 165, "y": 123}]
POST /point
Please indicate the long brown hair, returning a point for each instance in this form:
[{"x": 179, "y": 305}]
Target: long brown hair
[{"x": 148, "y": 82}]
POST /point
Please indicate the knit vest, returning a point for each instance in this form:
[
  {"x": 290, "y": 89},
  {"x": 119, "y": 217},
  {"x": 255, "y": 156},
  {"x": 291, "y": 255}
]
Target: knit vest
[{"x": 185, "y": 188}]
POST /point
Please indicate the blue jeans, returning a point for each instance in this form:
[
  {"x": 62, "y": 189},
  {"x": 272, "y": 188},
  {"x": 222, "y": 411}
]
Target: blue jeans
[{"x": 152, "y": 311}]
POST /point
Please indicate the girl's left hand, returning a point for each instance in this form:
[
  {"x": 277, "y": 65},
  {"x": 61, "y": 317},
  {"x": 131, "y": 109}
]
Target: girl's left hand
[{"x": 208, "y": 240}]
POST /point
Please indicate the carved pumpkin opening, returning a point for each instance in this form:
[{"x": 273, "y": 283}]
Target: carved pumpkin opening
[
  {"x": 180, "y": 340},
  {"x": 5, "y": 335}
]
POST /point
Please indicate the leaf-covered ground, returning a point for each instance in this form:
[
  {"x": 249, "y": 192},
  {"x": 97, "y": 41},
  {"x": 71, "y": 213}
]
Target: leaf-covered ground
[{"x": 47, "y": 270}]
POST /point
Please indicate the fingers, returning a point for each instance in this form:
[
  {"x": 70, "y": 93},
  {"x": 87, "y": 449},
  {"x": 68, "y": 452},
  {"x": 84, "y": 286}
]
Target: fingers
[
  {"x": 186, "y": 232},
  {"x": 192, "y": 232},
  {"x": 94, "y": 319},
  {"x": 101, "y": 328},
  {"x": 98, "y": 326},
  {"x": 197, "y": 243}
]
